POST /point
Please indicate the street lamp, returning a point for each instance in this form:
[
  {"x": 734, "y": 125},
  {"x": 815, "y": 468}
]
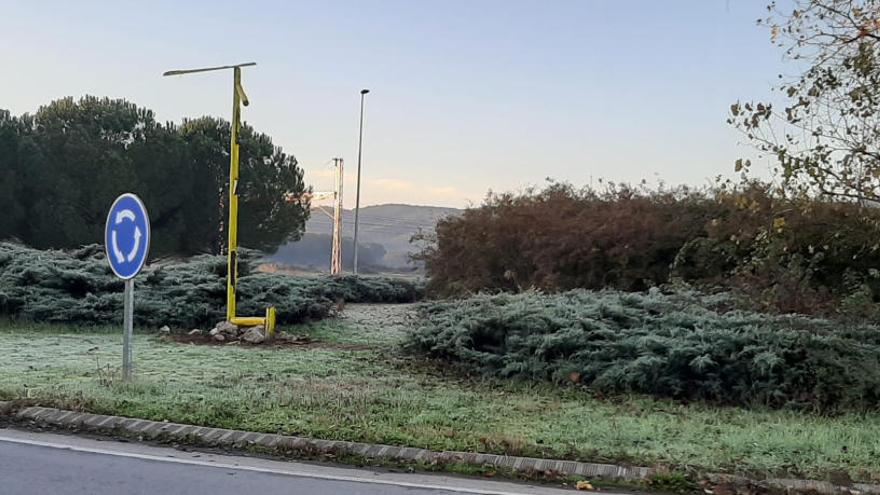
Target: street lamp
[
  {"x": 238, "y": 98},
  {"x": 357, "y": 198}
]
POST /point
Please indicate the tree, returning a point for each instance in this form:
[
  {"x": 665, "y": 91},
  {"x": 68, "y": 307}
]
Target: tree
[
  {"x": 79, "y": 165},
  {"x": 62, "y": 167},
  {"x": 10, "y": 143},
  {"x": 825, "y": 138},
  {"x": 266, "y": 219},
  {"x": 168, "y": 183}
]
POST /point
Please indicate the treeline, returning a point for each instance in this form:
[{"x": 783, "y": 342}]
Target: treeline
[
  {"x": 62, "y": 167},
  {"x": 788, "y": 254}
]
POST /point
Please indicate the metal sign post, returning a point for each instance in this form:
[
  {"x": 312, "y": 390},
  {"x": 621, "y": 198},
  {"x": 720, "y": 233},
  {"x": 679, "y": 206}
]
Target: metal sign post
[
  {"x": 127, "y": 328},
  {"x": 127, "y": 242}
]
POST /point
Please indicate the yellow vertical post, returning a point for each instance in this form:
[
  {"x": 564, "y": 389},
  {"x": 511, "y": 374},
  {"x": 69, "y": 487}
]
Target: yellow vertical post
[
  {"x": 270, "y": 322},
  {"x": 232, "y": 261}
]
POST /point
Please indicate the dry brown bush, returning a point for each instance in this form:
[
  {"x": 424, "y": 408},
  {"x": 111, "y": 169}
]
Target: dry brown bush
[{"x": 790, "y": 254}]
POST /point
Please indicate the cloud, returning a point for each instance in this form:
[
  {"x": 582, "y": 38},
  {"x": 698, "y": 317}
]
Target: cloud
[
  {"x": 320, "y": 174},
  {"x": 392, "y": 190},
  {"x": 389, "y": 190},
  {"x": 447, "y": 191},
  {"x": 420, "y": 190},
  {"x": 393, "y": 184}
]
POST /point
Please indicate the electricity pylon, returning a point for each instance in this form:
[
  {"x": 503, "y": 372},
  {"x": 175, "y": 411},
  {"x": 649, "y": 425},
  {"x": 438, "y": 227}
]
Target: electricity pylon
[
  {"x": 336, "y": 217},
  {"x": 336, "y": 248}
]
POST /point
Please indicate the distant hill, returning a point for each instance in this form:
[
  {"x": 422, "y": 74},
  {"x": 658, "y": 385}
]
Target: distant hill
[{"x": 384, "y": 234}]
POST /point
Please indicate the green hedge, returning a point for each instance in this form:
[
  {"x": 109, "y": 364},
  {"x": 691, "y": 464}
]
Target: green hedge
[
  {"x": 78, "y": 287},
  {"x": 679, "y": 346}
]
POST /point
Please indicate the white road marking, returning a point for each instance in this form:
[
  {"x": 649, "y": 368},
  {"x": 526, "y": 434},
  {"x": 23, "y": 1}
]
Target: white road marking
[{"x": 286, "y": 472}]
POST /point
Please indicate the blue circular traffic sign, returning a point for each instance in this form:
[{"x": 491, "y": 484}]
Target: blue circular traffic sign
[{"x": 127, "y": 236}]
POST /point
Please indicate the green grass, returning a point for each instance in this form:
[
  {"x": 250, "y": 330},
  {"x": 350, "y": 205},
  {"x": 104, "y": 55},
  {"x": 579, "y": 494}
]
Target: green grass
[{"x": 375, "y": 395}]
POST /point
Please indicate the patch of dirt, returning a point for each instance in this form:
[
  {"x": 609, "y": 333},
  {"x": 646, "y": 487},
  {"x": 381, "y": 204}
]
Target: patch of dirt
[{"x": 278, "y": 341}]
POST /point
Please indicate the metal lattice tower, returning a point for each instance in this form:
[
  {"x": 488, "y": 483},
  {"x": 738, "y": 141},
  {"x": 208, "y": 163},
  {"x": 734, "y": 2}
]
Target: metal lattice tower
[
  {"x": 336, "y": 248},
  {"x": 336, "y": 217}
]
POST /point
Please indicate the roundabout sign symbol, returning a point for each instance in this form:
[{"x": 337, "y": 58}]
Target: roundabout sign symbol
[
  {"x": 127, "y": 243},
  {"x": 127, "y": 236}
]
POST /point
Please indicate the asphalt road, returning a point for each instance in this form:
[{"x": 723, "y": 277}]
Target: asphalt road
[{"x": 43, "y": 463}]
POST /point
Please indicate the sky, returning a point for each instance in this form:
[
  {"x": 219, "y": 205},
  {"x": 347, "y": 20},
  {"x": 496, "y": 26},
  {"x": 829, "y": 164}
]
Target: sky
[{"x": 466, "y": 96}]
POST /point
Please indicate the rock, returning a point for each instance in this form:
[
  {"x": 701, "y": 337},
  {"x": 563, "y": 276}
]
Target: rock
[
  {"x": 254, "y": 335},
  {"x": 165, "y": 329},
  {"x": 214, "y": 331},
  {"x": 227, "y": 328},
  {"x": 219, "y": 337},
  {"x": 584, "y": 485},
  {"x": 195, "y": 331}
]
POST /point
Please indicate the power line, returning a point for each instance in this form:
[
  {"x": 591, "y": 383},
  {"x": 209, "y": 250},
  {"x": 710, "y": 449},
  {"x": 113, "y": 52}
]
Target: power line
[{"x": 321, "y": 221}]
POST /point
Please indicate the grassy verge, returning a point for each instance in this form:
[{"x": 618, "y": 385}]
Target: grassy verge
[{"x": 339, "y": 391}]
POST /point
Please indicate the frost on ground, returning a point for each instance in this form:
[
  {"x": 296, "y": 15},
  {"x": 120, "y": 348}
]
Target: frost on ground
[{"x": 377, "y": 323}]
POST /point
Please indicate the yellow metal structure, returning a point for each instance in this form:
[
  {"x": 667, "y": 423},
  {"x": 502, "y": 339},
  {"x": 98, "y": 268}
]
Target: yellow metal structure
[{"x": 239, "y": 98}]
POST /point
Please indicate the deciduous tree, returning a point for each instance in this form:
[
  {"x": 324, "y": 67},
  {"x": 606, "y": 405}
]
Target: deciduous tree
[{"x": 825, "y": 135}]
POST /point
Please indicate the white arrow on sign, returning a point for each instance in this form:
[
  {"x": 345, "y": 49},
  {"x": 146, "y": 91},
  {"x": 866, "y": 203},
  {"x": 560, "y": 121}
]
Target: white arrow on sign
[
  {"x": 116, "y": 251},
  {"x": 120, "y": 256},
  {"x": 137, "y": 243},
  {"x": 126, "y": 213}
]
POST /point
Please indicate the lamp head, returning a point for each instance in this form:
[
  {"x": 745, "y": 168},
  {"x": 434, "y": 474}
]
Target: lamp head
[
  {"x": 206, "y": 69},
  {"x": 365, "y": 91}
]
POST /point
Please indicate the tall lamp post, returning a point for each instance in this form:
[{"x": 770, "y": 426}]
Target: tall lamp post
[
  {"x": 357, "y": 197},
  {"x": 239, "y": 98}
]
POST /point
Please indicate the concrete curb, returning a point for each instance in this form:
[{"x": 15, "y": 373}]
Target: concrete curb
[
  {"x": 790, "y": 485},
  {"x": 236, "y": 439},
  {"x": 286, "y": 444}
]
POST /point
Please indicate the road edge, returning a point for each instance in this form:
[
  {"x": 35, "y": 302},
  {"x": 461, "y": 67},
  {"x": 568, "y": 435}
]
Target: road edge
[
  {"x": 302, "y": 447},
  {"x": 288, "y": 444}
]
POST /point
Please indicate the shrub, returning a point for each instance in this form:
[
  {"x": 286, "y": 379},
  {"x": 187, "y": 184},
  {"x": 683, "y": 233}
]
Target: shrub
[
  {"x": 78, "y": 287},
  {"x": 561, "y": 238},
  {"x": 785, "y": 254},
  {"x": 788, "y": 254},
  {"x": 680, "y": 346}
]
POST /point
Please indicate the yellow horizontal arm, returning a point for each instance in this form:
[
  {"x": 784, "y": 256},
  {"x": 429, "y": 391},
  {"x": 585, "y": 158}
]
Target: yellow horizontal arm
[{"x": 248, "y": 321}]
